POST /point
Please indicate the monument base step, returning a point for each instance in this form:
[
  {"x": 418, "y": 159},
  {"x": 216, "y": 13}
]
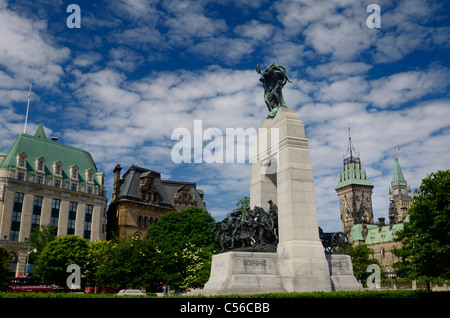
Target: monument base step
[{"x": 257, "y": 273}]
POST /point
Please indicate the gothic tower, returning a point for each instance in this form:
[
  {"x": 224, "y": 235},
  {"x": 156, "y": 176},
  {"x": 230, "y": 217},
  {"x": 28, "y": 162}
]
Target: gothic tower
[
  {"x": 400, "y": 200},
  {"x": 354, "y": 191}
]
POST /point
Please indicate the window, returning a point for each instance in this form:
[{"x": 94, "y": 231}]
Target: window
[
  {"x": 55, "y": 213},
  {"x": 89, "y": 190},
  {"x": 58, "y": 183},
  {"x": 22, "y": 161},
  {"x": 88, "y": 221},
  {"x": 72, "y": 217},
  {"x": 74, "y": 172},
  {"x": 40, "y": 165},
  {"x": 20, "y": 176},
  {"x": 73, "y": 187},
  {"x": 39, "y": 180},
  {"x": 58, "y": 169},
  {"x": 17, "y": 213},
  {"x": 36, "y": 216}
]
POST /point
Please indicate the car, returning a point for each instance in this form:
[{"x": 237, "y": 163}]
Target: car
[{"x": 130, "y": 292}]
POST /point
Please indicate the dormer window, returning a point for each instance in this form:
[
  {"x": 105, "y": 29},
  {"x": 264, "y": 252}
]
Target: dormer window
[
  {"x": 22, "y": 160},
  {"x": 40, "y": 164},
  {"x": 57, "y": 168},
  {"x": 74, "y": 172},
  {"x": 89, "y": 175}
]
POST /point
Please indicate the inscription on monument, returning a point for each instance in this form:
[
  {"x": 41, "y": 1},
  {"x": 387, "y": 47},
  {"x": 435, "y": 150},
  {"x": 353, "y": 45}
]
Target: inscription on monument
[
  {"x": 336, "y": 264},
  {"x": 255, "y": 262}
]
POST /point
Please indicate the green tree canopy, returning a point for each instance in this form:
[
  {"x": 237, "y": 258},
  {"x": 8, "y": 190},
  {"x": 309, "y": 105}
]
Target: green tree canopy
[
  {"x": 184, "y": 244},
  {"x": 129, "y": 263},
  {"x": 360, "y": 261},
  {"x": 5, "y": 257},
  {"x": 60, "y": 253},
  {"x": 39, "y": 238},
  {"x": 425, "y": 238},
  {"x": 243, "y": 204}
]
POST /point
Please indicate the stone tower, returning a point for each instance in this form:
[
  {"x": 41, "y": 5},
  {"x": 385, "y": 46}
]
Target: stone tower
[
  {"x": 354, "y": 191},
  {"x": 399, "y": 192}
]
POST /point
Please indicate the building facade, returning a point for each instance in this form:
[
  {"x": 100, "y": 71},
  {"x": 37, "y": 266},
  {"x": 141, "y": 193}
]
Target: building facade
[
  {"x": 399, "y": 193},
  {"x": 140, "y": 197},
  {"x": 354, "y": 191},
  {"x": 380, "y": 237},
  {"x": 45, "y": 182}
]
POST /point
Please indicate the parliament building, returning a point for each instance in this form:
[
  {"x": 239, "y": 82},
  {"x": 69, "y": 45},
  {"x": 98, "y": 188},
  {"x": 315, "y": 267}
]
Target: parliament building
[{"x": 355, "y": 196}]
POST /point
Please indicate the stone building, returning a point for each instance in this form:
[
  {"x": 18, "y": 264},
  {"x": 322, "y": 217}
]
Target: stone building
[
  {"x": 45, "y": 182},
  {"x": 399, "y": 192},
  {"x": 379, "y": 237},
  {"x": 140, "y": 197},
  {"x": 354, "y": 191}
]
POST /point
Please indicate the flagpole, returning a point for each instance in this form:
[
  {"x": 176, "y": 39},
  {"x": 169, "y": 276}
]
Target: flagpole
[{"x": 28, "y": 106}]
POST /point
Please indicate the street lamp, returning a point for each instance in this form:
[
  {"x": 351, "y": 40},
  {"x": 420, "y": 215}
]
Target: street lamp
[{"x": 28, "y": 256}]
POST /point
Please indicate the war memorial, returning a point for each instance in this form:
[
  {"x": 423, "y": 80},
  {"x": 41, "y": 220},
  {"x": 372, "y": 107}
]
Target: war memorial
[{"x": 277, "y": 245}]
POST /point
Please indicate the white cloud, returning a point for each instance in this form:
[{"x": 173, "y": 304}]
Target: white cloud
[
  {"x": 39, "y": 65},
  {"x": 407, "y": 86}
]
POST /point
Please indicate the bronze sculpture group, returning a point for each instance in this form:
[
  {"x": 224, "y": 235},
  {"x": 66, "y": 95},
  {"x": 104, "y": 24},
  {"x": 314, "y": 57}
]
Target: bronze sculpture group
[{"x": 253, "y": 229}]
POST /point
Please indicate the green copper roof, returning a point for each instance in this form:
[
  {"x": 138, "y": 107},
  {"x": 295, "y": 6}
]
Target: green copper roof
[
  {"x": 353, "y": 173},
  {"x": 376, "y": 233},
  {"x": 397, "y": 178},
  {"x": 40, "y": 133},
  {"x": 37, "y": 146}
]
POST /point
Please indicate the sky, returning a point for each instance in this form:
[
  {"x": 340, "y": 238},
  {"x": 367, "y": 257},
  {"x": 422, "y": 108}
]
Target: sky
[{"x": 135, "y": 71}]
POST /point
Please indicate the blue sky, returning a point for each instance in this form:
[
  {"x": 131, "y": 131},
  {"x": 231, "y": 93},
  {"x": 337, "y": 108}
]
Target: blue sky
[{"x": 136, "y": 70}]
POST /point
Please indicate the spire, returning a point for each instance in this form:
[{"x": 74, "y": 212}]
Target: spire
[
  {"x": 397, "y": 178},
  {"x": 351, "y": 155},
  {"x": 40, "y": 133},
  {"x": 353, "y": 173}
]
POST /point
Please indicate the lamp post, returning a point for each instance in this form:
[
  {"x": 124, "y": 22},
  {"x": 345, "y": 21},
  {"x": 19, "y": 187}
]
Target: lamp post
[{"x": 28, "y": 256}]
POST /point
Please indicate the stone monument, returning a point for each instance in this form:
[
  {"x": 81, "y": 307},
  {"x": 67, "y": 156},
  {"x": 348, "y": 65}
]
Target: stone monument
[{"x": 282, "y": 181}]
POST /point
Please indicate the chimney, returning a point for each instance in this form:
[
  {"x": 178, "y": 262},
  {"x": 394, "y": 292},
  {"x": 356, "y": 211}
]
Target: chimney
[
  {"x": 116, "y": 189},
  {"x": 381, "y": 222},
  {"x": 55, "y": 139}
]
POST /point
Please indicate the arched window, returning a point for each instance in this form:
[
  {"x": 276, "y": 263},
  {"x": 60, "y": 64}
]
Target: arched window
[{"x": 140, "y": 220}]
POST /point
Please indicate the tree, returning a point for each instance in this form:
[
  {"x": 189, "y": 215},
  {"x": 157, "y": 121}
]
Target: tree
[
  {"x": 5, "y": 257},
  {"x": 360, "y": 261},
  {"x": 130, "y": 262},
  {"x": 184, "y": 244},
  {"x": 60, "y": 253},
  {"x": 243, "y": 204},
  {"x": 39, "y": 238},
  {"x": 97, "y": 255},
  {"x": 425, "y": 250}
]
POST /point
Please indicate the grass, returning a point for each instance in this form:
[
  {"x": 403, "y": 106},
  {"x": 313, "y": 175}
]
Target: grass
[{"x": 367, "y": 294}]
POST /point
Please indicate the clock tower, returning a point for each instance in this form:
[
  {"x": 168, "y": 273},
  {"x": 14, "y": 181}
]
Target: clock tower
[
  {"x": 399, "y": 193},
  {"x": 354, "y": 191}
]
